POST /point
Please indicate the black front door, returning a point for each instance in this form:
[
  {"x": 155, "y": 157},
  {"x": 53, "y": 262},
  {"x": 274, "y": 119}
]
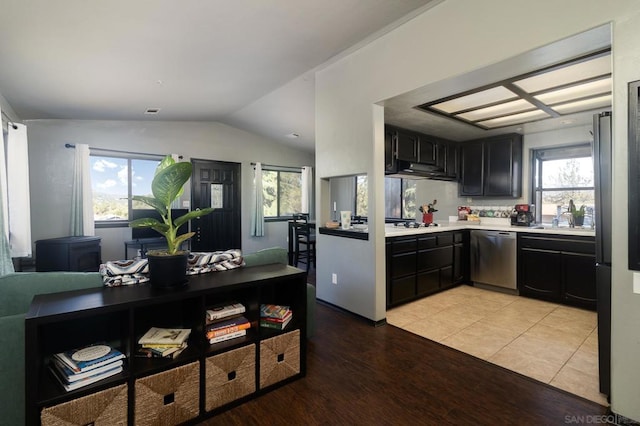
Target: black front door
[{"x": 216, "y": 184}]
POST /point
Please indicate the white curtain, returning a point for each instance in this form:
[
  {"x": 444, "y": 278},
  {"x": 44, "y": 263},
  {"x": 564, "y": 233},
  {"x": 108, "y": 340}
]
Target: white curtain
[
  {"x": 82, "y": 222},
  {"x": 257, "y": 204},
  {"x": 6, "y": 264},
  {"x": 307, "y": 189},
  {"x": 18, "y": 184}
]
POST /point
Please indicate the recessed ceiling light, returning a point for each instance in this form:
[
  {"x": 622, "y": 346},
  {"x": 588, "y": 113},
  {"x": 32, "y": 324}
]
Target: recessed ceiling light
[
  {"x": 152, "y": 111},
  {"x": 568, "y": 121},
  {"x": 293, "y": 135}
]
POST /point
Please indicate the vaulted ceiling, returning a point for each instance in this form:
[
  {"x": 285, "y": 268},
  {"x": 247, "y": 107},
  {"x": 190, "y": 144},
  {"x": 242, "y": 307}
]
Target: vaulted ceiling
[{"x": 248, "y": 63}]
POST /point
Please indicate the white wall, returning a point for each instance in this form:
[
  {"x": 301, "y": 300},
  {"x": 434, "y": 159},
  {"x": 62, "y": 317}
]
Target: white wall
[
  {"x": 51, "y": 166},
  {"x": 452, "y": 39}
]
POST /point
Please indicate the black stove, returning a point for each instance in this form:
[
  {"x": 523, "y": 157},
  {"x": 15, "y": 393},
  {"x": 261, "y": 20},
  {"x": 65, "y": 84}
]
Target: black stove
[{"x": 413, "y": 224}]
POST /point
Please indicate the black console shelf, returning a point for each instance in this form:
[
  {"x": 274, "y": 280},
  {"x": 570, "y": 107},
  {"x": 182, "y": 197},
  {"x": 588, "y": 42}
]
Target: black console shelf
[{"x": 119, "y": 316}]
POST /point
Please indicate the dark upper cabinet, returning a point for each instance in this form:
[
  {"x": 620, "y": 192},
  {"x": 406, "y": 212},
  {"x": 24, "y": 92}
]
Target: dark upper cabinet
[
  {"x": 426, "y": 150},
  {"x": 492, "y": 167},
  {"x": 471, "y": 168},
  {"x": 390, "y": 163},
  {"x": 503, "y": 173},
  {"x": 407, "y": 145},
  {"x": 452, "y": 162}
]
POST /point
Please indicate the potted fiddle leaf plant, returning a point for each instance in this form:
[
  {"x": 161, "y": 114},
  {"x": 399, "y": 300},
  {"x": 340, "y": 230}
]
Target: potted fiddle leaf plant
[{"x": 168, "y": 267}]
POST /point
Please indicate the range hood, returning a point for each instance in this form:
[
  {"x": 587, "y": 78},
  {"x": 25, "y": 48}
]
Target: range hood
[{"x": 410, "y": 170}]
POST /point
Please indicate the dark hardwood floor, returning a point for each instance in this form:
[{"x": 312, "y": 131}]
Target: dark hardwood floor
[{"x": 358, "y": 374}]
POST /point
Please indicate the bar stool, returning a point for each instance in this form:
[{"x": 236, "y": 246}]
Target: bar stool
[{"x": 305, "y": 241}]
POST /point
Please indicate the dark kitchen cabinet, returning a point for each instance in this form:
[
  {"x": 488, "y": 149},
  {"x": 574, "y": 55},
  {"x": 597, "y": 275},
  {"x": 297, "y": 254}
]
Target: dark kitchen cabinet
[
  {"x": 404, "y": 146},
  {"x": 407, "y": 145},
  {"x": 426, "y": 149},
  {"x": 579, "y": 278},
  {"x": 558, "y": 268},
  {"x": 541, "y": 273},
  {"x": 460, "y": 271},
  {"x": 471, "y": 169},
  {"x": 423, "y": 264},
  {"x": 390, "y": 161},
  {"x": 451, "y": 163},
  {"x": 401, "y": 253},
  {"x": 492, "y": 167}
]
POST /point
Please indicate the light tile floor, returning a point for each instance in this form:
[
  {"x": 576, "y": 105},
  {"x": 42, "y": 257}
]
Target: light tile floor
[{"x": 552, "y": 343}]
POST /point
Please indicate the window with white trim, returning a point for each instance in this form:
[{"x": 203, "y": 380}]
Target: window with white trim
[
  {"x": 282, "y": 192},
  {"x": 560, "y": 175},
  {"x": 114, "y": 179}
]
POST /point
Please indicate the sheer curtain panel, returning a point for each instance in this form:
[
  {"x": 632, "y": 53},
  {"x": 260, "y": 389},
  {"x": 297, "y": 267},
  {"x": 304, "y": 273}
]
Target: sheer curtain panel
[
  {"x": 82, "y": 222},
  {"x": 257, "y": 204},
  {"x": 18, "y": 194},
  {"x": 6, "y": 265},
  {"x": 307, "y": 189}
]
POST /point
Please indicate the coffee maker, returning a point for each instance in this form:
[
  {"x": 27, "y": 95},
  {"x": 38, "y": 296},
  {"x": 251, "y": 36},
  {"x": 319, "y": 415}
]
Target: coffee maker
[{"x": 523, "y": 215}]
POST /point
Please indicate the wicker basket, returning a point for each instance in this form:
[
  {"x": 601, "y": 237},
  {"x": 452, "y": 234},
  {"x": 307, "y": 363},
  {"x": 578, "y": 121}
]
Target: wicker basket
[
  {"x": 279, "y": 358},
  {"x": 230, "y": 376},
  {"x": 168, "y": 398},
  {"x": 107, "y": 407}
]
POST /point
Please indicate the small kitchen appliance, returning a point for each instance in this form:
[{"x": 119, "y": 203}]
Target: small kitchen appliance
[{"x": 523, "y": 215}]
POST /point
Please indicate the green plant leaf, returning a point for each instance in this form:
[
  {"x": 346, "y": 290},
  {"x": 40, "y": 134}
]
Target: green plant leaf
[
  {"x": 180, "y": 239},
  {"x": 144, "y": 222},
  {"x": 166, "y": 162},
  {"x": 191, "y": 215},
  {"x": 168, "y": 182},
  {"x": 150, "y": 201},
  {"x": 148, "y": 222}
]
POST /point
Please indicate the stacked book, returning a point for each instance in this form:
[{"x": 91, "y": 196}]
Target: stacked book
[
  {"x": 163, "y": 342},
  {"x": 86, "y": 365},
  {"x": 275, "y": 316},
  {"x": 226, "y": 322}
]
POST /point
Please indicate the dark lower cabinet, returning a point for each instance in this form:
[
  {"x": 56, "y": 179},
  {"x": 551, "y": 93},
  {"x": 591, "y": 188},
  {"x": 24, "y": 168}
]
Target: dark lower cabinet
[
  {"x": 541, "y": 273},
  {"x": 421, "y": 265},
  {"x": 579, "y": 278},
  {"x": 558, "y": 268}
]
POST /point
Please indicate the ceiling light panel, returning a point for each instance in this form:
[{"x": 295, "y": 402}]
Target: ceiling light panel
[
  {"x": 584, "y": 105},
  {"x": 474, "y": 100},
  {"x": 514, "y": 119},
  {"x": 581, "y": 71},
  {"x": 497, "y": 110},
  {"x": 598, "y": 87}
]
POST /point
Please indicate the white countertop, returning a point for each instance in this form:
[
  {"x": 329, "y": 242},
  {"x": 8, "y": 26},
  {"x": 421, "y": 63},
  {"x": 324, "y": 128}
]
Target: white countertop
[{"x": 398, "y": 231}]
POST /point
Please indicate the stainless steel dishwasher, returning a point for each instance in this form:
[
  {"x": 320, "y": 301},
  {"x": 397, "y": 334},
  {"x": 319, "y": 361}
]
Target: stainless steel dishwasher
[{"x": 493, "y": 258}]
